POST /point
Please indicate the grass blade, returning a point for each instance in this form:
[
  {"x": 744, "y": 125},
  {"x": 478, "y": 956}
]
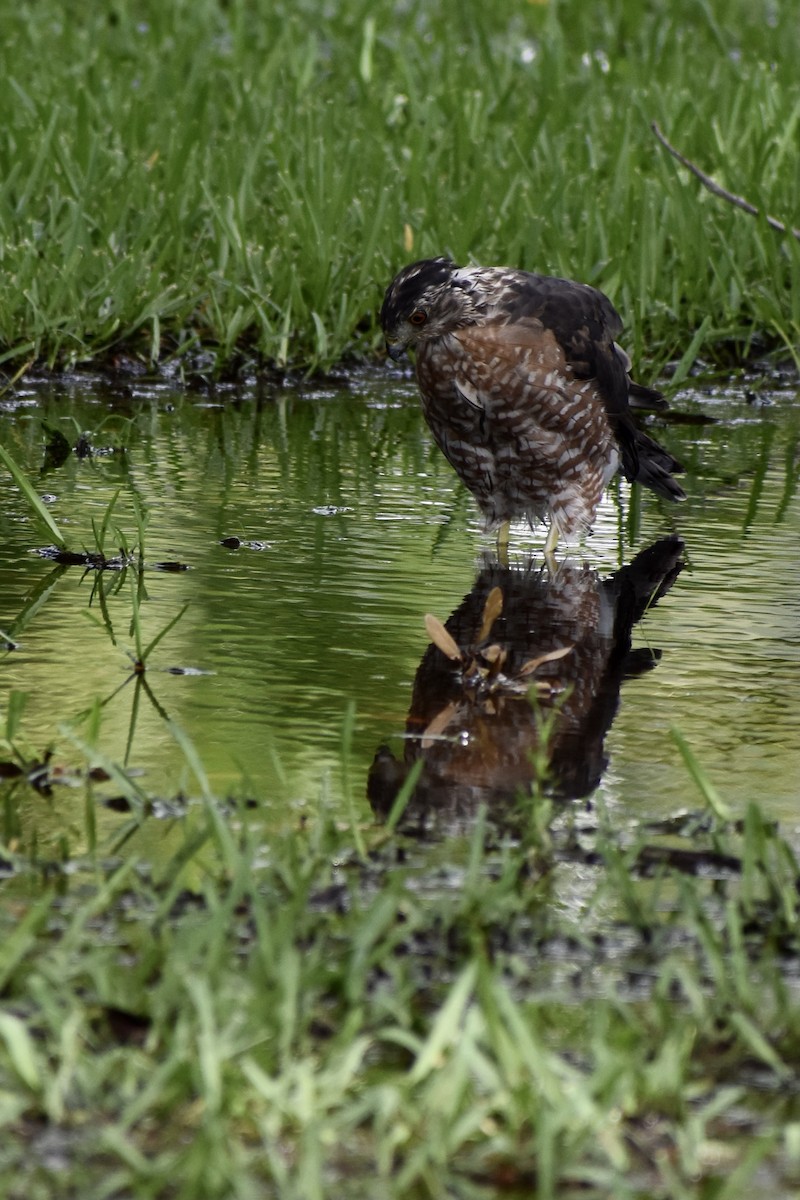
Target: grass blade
[
  {"x": 710, "y": 794},
  {"x": 150, "y": 647},
  {"x": 35, "y": 501}
]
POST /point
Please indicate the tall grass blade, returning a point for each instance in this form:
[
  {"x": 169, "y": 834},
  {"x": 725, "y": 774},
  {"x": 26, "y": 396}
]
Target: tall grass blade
[
  {"x": 686, "y": 360},
  {"x": 20, "y": 1049},
  {"x": 348, "y": 726},
  {"x": 445, "y": 1028},
  {"x": 402, "y": 798},
  {"x": 709, "y": 792},
  {"x": 101, "y": 530},
  {"x": 38, "y": 507},
  {"x": 150, "y": 647}
]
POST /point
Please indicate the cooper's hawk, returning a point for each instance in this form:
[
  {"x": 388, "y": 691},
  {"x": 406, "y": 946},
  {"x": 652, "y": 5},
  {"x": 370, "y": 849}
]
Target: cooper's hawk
[{"x": 525, "y": 390}]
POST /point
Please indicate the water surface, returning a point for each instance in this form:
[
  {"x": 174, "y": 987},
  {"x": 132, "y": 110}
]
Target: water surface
[{"x": 351, "y": 526}]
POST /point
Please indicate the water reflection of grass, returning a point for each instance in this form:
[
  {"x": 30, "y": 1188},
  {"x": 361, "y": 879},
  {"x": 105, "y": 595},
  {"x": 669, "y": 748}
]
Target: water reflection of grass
[
  {"x": 319, "y": 1015},
  {"x": 214, "y": 183}
]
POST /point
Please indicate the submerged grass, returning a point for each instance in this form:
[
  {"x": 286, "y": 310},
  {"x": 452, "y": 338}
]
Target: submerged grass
[
  {"x": 211, "y": 184},
  {"x": 304, "y": 1017}
]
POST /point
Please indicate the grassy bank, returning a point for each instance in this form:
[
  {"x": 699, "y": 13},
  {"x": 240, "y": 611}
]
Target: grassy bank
[
  {"x": 216, "y": 184},
  {"x": 315, "y": 1014}
]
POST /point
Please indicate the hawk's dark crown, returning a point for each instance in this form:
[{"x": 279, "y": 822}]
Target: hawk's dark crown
[{"x": 408, "y": 287}]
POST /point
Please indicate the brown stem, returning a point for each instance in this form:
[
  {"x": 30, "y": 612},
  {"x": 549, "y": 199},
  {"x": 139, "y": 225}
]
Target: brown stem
[{"x": 715, "y": 188}]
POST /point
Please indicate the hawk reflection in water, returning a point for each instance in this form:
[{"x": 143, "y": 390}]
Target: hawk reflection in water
[
  {"x": 525, "y": 390},
  {"x": 475, "y": 729}
]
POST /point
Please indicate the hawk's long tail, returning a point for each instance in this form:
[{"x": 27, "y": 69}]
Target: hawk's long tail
[{"x": 655, "y": 468}]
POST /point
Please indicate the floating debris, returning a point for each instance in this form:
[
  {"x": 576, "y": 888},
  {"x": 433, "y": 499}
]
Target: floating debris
[
  {"x": 187, "y": 671},
  {"x": 235, "y": 543},
  {"x": 93, "y": 560}
]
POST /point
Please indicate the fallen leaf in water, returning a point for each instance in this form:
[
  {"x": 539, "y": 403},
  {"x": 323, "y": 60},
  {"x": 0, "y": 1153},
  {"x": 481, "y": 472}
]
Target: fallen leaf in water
[
  {"x": 441, "y": 638},
  {"x": 437, "y": 726},
  {"x": 491, "y": 611},
  {"x": 533, "y": 663}
]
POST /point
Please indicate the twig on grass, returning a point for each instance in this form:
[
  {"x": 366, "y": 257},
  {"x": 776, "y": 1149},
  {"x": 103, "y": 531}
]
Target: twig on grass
[{"x": 717, "y": 190}]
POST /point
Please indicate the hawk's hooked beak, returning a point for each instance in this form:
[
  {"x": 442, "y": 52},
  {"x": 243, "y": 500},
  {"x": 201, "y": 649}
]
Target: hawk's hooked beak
[{"x": 395, "y": 349}]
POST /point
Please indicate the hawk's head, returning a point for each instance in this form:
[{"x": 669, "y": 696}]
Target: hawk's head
[{"x": 426, "y": 300}]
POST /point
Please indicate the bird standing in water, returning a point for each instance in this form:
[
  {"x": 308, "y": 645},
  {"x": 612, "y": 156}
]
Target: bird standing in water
[{"x": 525, "y": 390}]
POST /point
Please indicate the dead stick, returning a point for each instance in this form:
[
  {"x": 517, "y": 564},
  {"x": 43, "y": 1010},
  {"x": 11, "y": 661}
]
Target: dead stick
[{"x": 722, "y": 192}]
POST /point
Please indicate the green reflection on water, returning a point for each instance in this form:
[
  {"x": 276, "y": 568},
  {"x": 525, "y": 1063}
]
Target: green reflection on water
[{"x": 352, "y": 527}]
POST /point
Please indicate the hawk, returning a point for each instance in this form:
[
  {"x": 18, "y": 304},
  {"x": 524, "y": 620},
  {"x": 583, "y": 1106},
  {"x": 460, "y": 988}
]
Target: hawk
[{"x": 525, "y": 390}]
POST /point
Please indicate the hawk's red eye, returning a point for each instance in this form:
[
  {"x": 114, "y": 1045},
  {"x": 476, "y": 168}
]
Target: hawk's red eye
[{"x": 418, "y": 317}]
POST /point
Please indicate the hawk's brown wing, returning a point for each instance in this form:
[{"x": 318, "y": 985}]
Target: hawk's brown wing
[{"x": 583, "y": 321}]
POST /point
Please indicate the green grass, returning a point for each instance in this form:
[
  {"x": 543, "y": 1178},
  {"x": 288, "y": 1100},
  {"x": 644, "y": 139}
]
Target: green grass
[
  {"x": 303, "y": 1019},
  {"x": 217, "y": 185}
]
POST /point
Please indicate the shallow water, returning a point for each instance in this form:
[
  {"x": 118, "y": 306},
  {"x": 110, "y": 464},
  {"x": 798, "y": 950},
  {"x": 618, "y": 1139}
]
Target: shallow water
[{"x": 352, "y": 527}]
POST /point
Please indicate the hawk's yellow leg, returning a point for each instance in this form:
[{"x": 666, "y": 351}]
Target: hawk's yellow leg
[
  {"x": 502, "y": 543},
  {"x": 550, "y": 548}
]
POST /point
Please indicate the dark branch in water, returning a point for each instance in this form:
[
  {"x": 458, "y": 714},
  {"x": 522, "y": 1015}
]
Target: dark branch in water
[{"x": 723, "y": 193}]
